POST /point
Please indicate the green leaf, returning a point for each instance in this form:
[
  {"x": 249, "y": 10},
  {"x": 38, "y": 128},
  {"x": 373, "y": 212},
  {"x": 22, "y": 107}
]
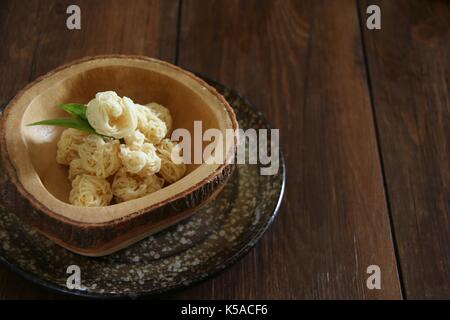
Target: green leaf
[
  {"x": 75, "y": 123},
  {"x": 76, "y": 109}
]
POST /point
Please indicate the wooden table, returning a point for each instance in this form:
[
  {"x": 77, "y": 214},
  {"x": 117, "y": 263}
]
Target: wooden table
[{"x": 364, "y": 118}]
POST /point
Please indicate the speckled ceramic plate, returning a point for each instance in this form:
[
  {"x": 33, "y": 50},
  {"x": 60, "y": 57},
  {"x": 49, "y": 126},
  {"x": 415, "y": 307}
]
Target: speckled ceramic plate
[{"x": 195, "y": 249}]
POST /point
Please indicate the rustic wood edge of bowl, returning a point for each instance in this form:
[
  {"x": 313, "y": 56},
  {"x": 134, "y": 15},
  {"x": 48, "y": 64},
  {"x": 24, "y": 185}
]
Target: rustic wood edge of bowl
[
  {"x": 140, "y": 232},
  {"x": 95, "y": 238}
]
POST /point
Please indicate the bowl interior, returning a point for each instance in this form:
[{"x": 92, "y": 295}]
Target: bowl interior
[
  {"x": 32, "y": 150},
  {"x": 141, "y": 85}
]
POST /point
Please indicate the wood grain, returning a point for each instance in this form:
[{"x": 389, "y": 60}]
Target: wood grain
[
  {"x": 409, "y": 64},
  {"x": 302, "y": 64},
  {"x": 19, "y": 38},
  {"x": 37, "y": 40},
  {"x": 108, "y": 27}
]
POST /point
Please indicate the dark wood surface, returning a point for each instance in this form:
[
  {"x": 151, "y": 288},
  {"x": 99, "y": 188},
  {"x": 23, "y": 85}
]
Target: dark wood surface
[
  {"x": 362, "y": 117},
  {"x": 409, "y": 68}
]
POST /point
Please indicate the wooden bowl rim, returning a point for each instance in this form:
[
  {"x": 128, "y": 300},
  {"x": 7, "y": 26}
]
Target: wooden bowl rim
[{"x": 12, "y": 174}]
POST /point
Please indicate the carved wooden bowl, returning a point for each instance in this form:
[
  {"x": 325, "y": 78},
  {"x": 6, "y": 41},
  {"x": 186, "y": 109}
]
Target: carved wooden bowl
[{"x": 36, "y": 188}]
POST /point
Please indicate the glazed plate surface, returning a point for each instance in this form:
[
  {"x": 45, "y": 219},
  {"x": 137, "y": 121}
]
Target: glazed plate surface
[{"x": 193, "y": 250}]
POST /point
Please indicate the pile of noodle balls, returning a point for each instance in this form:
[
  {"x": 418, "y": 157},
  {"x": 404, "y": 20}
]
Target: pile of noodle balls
[{"x": 130, "y": 155}]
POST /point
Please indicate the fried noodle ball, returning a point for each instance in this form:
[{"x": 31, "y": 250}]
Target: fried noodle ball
[
  {"x": 68, "y": 145},
  {"x": 90, "y": 191},
  {"x": 111, "y": 115},
  {"x": 127, "y": 186},
  {"x": 170, "y": 170},
  {"x": 100, "y": 156}
]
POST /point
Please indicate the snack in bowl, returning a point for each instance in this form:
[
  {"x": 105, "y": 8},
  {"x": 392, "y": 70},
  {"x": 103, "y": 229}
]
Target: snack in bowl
[
  {"x": 112, "y": 139},
  {"x": 59, "y": 180}
]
